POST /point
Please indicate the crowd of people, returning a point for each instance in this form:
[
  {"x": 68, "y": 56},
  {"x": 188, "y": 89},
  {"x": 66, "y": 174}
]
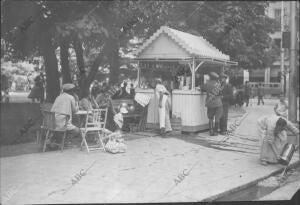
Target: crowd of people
[
  {"x": 67, "y": 104},
  {"x": 272, "y": 130},
  {"x": 220, "y": 96}
]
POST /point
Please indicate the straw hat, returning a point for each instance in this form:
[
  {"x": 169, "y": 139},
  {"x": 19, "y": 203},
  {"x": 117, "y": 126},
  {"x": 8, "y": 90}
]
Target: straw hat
[
  {"x": 68, "y": 86},
  {"x": 123, "y": 108},
  {"x": 213, "y": 75},
  {"x": 158, "y": 80}
]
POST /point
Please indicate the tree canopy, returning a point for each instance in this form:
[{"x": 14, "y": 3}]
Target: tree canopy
[
  {"x": 100, "y": 31},
  {"x": 238, "y": 28}
]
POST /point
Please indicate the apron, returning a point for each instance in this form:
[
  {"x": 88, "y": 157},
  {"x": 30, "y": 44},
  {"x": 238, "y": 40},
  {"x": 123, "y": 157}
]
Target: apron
[{"x": 163, "y": 113}]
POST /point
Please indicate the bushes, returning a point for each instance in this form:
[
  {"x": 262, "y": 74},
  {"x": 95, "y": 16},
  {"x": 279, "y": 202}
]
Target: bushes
[{"x": 19, "y": 122}]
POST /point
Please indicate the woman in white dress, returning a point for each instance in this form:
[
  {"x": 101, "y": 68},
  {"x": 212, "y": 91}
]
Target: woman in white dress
[{"x": 162, "y": 95}]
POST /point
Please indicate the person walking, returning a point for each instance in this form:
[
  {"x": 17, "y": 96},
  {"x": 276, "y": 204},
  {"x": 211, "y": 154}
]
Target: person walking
[
  {"x": 163, "y": 107},
  {"x": 247, "y": 93},
  {"x": 260, "y": 94},
  {"x": 213, "y": 103},
  {"x": 37, "y": 92},
  {"x": 227, "y": 96},
  {"x": 272, "y": 137}
]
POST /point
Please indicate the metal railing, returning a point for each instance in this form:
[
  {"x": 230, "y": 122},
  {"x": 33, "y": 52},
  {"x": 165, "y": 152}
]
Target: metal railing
[{"x": 269, "y": 88}]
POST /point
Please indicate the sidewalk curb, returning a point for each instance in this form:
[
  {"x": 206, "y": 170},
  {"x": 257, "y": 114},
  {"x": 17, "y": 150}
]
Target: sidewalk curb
[{"x": 249, "y": 184}]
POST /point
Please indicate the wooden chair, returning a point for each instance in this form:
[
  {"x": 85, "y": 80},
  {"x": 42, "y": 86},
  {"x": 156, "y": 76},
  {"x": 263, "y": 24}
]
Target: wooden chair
[
  {"x": 43, "y": 107},
  {"x": 49, "y": 126},
  {"x": 94, "y": 124}
]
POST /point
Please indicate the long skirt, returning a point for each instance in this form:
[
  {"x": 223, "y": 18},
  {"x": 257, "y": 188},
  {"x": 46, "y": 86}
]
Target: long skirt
[
  {"x": 164, "y": 116},
  {"x": 266, "y": 151},
  {"x": 110, "y": 123},
  {"x": 35, "y": 93}
]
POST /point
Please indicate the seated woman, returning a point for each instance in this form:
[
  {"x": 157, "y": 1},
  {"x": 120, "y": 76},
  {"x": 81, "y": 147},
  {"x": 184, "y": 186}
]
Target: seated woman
[
  {"x": 271, "y": 130},
  {"x": 281, "y": 108},
  {"x": 114, "y": 142},
  {"x": 104, "y": 101},
  {"x": 88, "y": 103}
]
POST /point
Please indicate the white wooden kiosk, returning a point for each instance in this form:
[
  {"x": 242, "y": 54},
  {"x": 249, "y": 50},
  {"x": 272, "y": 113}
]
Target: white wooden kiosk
[{"x": 170, "y": 45}]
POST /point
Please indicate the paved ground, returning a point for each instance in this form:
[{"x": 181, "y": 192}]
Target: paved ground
[
  {"x": 287, "y": 191},
  {"x": 154, "y": 169}
]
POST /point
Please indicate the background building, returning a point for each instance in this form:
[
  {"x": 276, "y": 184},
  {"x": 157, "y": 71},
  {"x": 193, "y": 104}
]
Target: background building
[{"x": 273, "y": 73}]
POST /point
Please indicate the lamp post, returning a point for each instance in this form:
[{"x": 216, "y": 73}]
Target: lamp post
[
  {"x": 293, "y": 84},
  {"x": 282, "y": 79}
]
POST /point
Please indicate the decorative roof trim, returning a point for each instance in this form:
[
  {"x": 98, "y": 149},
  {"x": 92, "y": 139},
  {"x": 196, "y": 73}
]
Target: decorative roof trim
[{"x": 172, "y": 34}]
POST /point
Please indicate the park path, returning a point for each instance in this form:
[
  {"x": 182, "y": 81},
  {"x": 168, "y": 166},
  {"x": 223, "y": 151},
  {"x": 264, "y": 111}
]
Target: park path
[{"x": 154, "y": 169}]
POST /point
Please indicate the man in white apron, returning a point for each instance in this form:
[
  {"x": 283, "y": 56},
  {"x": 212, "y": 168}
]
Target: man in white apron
[{"x": 163, "y": 107}]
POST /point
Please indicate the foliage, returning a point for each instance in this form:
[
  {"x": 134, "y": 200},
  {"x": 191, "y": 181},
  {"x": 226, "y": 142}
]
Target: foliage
[
  {"x": 100, "y": 32},
  {"x": 238, "y": 28}
]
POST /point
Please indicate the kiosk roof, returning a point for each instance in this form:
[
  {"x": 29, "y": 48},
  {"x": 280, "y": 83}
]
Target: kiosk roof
[{"x": 195, "y": 46}]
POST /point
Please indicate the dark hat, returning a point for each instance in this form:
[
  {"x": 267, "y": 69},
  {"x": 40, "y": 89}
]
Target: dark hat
[
  {"x": 214, "y": 75},
  {"x": 68, "y": 86},
  {"x": 158, "y": 80},
  {"x": 223, "y": 75}
]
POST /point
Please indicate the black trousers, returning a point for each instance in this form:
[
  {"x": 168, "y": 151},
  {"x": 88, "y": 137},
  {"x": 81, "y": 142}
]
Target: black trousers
[
  {"x": 246, "y": 99},
  {"x": 260, "y": 98},
  {"x": 224, "y": 118}
]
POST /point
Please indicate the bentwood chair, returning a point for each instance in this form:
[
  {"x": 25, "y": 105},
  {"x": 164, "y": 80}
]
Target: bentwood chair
[
  {"x": 43, "y": 107},
  {"x": 94, "y": 124},
  {"x": 49, "y": 125}
]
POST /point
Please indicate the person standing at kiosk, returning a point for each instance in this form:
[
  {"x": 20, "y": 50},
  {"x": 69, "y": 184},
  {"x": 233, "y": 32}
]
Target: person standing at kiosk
[
  {"x": 227, "y": 95},
  {"x": 213, "y": 102},
  {"x": 163, "y": 107}
]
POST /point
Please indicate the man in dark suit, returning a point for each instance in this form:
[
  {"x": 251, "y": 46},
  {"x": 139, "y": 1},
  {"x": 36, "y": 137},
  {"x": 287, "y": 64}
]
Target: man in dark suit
[
  {"x": 227, "y": 95},
  {"x": 260, "y": 94},
  {"x": 247, "y": 93},
  {"x": 213, "y": 102}
]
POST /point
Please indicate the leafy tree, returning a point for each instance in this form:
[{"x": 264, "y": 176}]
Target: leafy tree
[
  {"x": 238, "y": 28},
  {"x": 27, "y": 29},
  {"x": 99, "y": 31},
  {"x": 100, "y": 34}
]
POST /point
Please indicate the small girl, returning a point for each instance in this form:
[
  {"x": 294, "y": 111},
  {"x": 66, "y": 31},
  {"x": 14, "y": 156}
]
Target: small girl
[
  {"x": 114, "y": 142},
  {"x": 281, "y": 108}
]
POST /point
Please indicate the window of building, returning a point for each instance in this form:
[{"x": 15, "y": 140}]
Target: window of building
[
  {"x": 278, "y": 42},
  {"x": 277, "y": 15}
]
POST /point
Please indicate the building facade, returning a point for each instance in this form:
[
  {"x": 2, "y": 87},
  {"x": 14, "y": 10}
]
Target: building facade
[{"x": 274, "y": 74}]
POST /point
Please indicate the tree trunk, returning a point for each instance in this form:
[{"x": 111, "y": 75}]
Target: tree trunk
[
  {"x": 83, "y": 87},
  {"x": 114, "y": 61},
  {"x": 51, "y": 67},
  {"x": 85, "y": 79},
  {"x": 64, "y": 61}
]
